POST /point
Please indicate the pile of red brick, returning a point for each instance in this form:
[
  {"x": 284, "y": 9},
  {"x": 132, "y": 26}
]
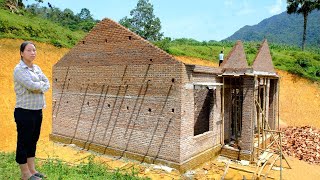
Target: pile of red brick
[{"x": 302, "y": 142}]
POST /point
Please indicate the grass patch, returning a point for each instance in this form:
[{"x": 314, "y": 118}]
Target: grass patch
[
  {"x": 24, "y": 26},
  {"x": 56, "y": 169},
  {"x": 289, "y": 58}
]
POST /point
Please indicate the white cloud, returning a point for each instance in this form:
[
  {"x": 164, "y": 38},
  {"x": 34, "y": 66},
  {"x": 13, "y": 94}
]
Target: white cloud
[
  {"x": 245, "y": 9},
  {"x": 277, "y": 8}
]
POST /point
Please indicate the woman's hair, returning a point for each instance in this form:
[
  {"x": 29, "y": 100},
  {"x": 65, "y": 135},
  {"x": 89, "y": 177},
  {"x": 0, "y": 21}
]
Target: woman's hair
[{"x": 23, "y": 46}]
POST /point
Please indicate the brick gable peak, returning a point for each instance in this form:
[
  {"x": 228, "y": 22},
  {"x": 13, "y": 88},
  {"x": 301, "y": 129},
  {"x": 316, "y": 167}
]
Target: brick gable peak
[
  {"x": 118, "y": 33},
  {"x": 263, "y": 60},
  {"x": 236, "y": 59}
]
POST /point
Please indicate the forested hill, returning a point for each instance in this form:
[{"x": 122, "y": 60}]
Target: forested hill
[{"x": 282, "y": 28}]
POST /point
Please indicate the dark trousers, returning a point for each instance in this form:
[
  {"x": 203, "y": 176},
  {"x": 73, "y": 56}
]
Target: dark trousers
[
  {"x": 220, "y": 62},
  {"x": 28, "y": 128}
]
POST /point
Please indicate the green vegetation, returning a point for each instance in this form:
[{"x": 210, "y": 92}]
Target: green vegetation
[
  {"x": 56, "y": 169},
  {"x": 37, "y": 29},
  {"x": 192, "y": 48},
  {"x": 143, "y": 22},
  {"x": 304, "y": 7},
  {"x": 82, "y": 21},
  {"x": 289, "y": 58},
  {"x": 283, "y": 29},
  {"x": 43, "y": 24}
]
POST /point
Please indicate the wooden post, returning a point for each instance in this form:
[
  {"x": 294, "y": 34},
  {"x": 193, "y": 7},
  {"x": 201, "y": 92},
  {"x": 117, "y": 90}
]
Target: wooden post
[
  {"x": 222, "y": 109},
  {"x": 280, "y": 156},
  {"x": 263, "y": 112},
  {"x": 257, "y": 114},
  {"x": 278, "y": 104},
  {"x": 267, "y": 101}
]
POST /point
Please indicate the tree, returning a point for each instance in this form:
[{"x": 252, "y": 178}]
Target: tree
[
  {"x": 16, "y": 5},
  {"x": 21, "y": 5},
  {"x": 303, "y": 7},
  {"x": 143, "y": 22},
  {"x": 85, "y": 14}
]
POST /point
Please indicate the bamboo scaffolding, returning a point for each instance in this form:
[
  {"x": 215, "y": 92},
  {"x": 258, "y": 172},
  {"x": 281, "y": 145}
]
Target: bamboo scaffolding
[{"x": 279, "y": 145}]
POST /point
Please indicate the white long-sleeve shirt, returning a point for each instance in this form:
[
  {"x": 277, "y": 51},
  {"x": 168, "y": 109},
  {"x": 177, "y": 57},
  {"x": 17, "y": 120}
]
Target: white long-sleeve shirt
[{"x": 29, "y": 86}]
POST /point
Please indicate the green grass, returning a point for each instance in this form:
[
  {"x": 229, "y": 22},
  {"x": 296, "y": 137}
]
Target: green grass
[
  {"x": 23, "y": 26},
  {"x": 289, "y": 58},
  {"x": 56, "y": 169}
]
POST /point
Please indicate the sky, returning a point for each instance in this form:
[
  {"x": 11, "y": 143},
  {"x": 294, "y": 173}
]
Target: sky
[{"x": 202, "y": 20}]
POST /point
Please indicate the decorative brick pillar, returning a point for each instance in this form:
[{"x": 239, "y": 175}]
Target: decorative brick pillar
[
  {"x": 227, "y": 109},
  {"x": 273, "y": 103},
  {"x": 246, "y": 143}
]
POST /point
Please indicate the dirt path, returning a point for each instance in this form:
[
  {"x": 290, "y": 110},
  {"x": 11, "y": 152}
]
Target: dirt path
[{"x": 299, "y": 105}]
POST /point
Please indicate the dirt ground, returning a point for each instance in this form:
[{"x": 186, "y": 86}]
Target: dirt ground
[{"x": 299, "y": 105}]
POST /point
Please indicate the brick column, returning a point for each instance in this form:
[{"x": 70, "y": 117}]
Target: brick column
[
  {"x": 227, "y": 109},
  {"x": 273, "y": 104},
  {"x": 247, "y": 114}
]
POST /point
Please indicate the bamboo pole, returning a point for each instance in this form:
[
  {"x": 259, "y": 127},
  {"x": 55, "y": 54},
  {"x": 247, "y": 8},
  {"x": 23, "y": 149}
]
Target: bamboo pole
[
  {"x": 226, "y": 170},
  {"x": 278, "y": 104},
  {"x": 222, "y": 111},
  {"x": 263, "y": 112},
  {"x": 281, "y": 157},
  {"x": 254, "y": 114},
  {"x": 270, "y": 130},
  {"x": 258, "y": 119},
  {"x": 267, "y": 103},
  {"x": 234, "y": 107}
]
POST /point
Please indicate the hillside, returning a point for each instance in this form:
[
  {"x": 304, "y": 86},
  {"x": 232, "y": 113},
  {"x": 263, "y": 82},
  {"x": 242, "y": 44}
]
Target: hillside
[
  {"x": 288, "y": 58},
  {"x": 25, "y": 26},
  {"x": 283, "y": 29}
]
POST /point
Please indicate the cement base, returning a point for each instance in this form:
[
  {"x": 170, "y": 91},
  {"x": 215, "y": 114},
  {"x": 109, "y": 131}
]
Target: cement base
[
  {"x": 235, "y": 154},
  {"x": 181, "y": 166}
]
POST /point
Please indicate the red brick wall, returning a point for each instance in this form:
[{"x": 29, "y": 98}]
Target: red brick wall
[
  {"x": 100, "y": 104},
  {"x": 193, "y": 145},
  {"x": 118, "y": 90},
  {"x": 247, "y": 114}
]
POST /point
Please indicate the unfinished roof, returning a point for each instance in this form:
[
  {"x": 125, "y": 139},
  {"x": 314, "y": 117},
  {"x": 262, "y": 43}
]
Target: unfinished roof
[
  {"x": 109, "y": 43},
  {"x": 206, "y": 69},
  {"x": 263, "y": 60},
  {"x": 236, "y": 58}
]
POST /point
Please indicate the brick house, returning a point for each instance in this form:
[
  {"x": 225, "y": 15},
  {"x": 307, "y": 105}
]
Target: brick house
[{"x": 118, "y": 94}]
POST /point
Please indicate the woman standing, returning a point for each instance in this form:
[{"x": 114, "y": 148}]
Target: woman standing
[{"x": 29, "y": 84}]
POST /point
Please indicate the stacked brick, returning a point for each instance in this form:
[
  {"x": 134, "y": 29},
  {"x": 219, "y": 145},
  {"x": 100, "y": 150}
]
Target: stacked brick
[{"x": 302, "y": 143}]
